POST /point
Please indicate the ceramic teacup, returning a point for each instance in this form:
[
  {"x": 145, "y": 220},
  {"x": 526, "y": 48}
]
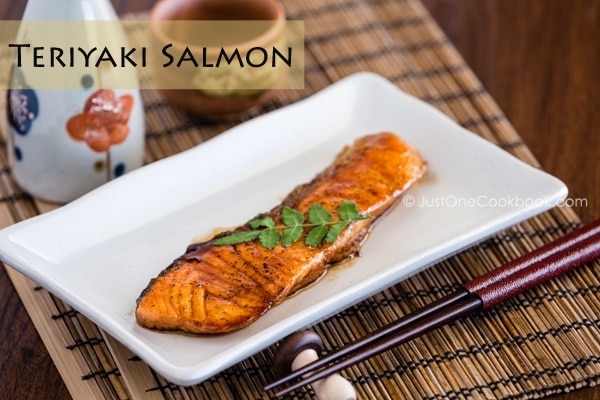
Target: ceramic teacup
[{"x": 207, "y": 59}]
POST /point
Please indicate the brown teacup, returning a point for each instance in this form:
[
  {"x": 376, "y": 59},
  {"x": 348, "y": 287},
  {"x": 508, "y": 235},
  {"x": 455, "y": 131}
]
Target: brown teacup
[{"x": 209, "y": 85}]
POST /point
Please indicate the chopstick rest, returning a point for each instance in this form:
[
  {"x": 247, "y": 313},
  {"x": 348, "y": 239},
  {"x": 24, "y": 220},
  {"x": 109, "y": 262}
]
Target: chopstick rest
[
  {"x": 524, "y": 273},
  {"x": 302, "y": 348}
]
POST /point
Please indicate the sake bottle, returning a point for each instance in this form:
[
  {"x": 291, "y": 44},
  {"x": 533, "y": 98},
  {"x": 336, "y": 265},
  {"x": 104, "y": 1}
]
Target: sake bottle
[{"x": 66, "y": 140}]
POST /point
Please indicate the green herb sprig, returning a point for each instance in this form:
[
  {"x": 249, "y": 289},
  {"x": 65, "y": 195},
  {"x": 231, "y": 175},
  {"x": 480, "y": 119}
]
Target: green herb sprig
[{"x": 321, "y": 224}]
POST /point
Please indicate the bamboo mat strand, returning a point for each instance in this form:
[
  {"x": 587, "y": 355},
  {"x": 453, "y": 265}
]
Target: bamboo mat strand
[{"x": 540, "y": 343}]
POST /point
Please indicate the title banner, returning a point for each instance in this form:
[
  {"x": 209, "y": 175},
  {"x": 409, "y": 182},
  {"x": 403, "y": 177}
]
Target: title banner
[{"x": 218, "y": 56}]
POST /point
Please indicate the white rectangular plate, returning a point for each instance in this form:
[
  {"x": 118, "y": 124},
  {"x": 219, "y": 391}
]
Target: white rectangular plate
[{"x": 99, "y": 252}]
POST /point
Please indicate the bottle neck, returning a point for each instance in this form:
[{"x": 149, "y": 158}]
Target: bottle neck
[{"x": 68, "y": 10}]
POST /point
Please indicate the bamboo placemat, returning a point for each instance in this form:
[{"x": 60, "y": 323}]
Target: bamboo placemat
[{"x": 540, "y": 343}]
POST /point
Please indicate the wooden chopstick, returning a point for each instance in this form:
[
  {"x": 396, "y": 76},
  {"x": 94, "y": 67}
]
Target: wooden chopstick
[{"x": 525, "y": 272}]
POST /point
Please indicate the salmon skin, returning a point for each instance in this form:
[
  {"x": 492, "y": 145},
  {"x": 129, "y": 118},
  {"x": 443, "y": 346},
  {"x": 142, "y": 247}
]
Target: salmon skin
[{"x": 222, "y": 288}]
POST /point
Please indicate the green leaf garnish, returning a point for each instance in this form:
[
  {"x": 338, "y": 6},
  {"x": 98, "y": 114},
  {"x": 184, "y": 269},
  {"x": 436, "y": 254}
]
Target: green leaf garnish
[
  {"x": 347, "y": 211},
  {"x": 269, "y": 237},
  {"x": 293, "y": 221},
  {"x": 335, "y": 231},
  {"x": 264, "y": 222},
  {"x": 315, "y": 235},
  {"x": 291, "y": 217},
  {"x": 237, "y": 237},
  {"x": 318, "y": 215},
  {"x": 321, "y": 224},
  {"x": 291, "y": 235}
]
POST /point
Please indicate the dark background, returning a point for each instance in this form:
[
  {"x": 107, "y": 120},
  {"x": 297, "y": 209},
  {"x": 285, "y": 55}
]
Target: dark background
[{"x": 540, "y": 61}]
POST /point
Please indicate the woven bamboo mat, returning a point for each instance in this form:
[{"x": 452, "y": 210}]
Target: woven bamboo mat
[{"x": 540, "y": 343}]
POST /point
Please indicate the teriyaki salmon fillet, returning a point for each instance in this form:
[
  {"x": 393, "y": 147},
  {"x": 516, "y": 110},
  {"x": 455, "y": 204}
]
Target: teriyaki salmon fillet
[{"x": 221, "y": 288}]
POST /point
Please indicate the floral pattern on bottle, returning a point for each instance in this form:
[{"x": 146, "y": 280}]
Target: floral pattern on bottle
[
  {"x": 22, "y": 106},
  {"x": 102, "y": 123}
]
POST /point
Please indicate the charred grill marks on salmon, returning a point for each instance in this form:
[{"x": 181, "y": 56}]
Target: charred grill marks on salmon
[{"x": 217, "y": 289}]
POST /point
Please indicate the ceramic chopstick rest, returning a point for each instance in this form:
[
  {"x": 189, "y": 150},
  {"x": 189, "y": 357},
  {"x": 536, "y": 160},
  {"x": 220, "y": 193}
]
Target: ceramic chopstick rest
[{"x": 302, "y": 348}]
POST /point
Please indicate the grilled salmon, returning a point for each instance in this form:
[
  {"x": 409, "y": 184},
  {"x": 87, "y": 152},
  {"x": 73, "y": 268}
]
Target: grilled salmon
[{"x": 221, "y": 288}]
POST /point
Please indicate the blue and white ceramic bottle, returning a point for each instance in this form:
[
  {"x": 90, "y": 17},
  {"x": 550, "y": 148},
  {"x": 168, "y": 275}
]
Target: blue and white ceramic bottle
[{"x": 62, "y": 143}]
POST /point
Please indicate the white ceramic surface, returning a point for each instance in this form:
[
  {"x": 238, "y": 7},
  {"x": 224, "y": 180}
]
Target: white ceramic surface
[
  {"x": 45, "y": 159},
  {"x": 99, "y": 252}
]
